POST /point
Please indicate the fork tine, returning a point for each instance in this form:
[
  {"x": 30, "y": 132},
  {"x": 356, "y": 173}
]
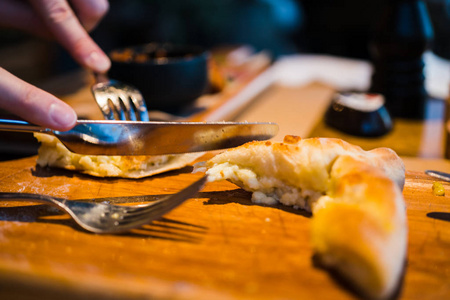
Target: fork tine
[
  {"x": 153, "y": 212},
  {"x": 131, "y": 110},
  {"x": 117, "y": 104},
  {"x": 139, "y": 104},
  {"x": 133, "y": 99},
  {"x": 124, "y": 102},
  {"x": 103, "y": 100},
  {"x": 157, "y": 209}
]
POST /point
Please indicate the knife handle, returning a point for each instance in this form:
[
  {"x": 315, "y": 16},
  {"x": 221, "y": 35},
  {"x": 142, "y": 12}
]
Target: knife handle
[{"x": 21, "y": 126}]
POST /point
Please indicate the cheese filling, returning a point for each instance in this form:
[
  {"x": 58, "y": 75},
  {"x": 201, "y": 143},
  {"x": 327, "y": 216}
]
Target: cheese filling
[
  {"x": 54, "y": 154},
  {"x": 266, "y": 190}
]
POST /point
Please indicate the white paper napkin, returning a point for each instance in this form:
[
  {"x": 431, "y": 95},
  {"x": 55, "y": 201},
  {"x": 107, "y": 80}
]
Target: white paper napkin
[{"x": 352, "y": 74}]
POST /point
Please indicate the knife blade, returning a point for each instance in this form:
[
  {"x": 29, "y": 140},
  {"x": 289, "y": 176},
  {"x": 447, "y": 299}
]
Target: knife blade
[
  {"x": 105, "y": 137},
  {"x": 438, "y": 174}
]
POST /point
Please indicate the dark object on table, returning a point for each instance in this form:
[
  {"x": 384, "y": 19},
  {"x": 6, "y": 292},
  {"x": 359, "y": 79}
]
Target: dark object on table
[
  {"x": 359, "y": 114},
  {"x": 168, "y": 76},
  {"x": 402, "y": 34},
  {"x": 340, "y": 28},
  {"x": 440, "y": 17}
]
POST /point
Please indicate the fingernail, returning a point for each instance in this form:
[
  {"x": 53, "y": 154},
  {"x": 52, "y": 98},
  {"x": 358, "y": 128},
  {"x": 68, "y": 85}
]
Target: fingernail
[
  {"x": 98, "y": 61},
  {"x": 62, "y": 115}
]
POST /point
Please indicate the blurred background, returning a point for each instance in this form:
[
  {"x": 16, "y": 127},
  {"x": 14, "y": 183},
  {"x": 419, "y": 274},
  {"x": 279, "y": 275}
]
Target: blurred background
[
  {"x": 337, "y": 27},
  {"x": 341, "y": 28}
]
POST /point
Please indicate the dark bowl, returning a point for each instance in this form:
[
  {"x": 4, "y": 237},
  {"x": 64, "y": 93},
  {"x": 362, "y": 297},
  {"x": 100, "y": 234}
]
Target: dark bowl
[{"x": 168, "y": 76}]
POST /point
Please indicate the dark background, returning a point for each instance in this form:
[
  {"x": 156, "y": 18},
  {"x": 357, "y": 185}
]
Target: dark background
[{"x": 337, "y": 27}]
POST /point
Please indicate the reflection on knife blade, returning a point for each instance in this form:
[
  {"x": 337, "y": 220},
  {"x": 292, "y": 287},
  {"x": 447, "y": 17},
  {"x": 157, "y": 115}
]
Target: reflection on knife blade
[{"x": 152, "y": 138}]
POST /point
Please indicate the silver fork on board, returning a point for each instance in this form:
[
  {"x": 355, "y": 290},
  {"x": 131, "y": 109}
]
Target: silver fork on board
[
  {"x": 116, "y": 98},
  {"x": 107, "y": 218}
]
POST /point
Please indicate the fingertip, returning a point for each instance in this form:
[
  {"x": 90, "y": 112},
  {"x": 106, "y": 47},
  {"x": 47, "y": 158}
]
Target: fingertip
[
  {"x": 62, "y": 116},
  {"x": 98, "y": 61}
]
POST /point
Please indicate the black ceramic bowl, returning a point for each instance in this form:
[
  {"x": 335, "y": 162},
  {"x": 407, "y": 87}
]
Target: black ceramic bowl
[
  {"x": 359, "y": 114},
  {"x": 168, "y": 76}
]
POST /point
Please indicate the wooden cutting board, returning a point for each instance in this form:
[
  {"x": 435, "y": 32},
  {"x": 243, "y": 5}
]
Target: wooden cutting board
[{"x": 217, "y": 245}]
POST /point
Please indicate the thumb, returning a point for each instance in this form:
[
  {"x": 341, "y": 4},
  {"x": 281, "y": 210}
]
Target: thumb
[{"x": 33, "y": 104}]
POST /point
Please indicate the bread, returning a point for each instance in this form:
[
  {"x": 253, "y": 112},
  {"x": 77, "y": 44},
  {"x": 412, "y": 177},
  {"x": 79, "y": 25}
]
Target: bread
[
  {"x": 359, "y": 223},
  {"x": 53, "y": 153}
]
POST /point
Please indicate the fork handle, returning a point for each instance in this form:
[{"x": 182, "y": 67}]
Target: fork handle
[
  {"x": 27, "y": 197},
  {"x": 100, "y": 77},
  {"x": 21, "y": 126}
]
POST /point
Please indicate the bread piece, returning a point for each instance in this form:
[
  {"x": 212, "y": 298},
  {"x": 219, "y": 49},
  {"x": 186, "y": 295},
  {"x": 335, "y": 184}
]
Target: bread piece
[
  {"x": 359, "y": 222},
  {"x": 53, "y": 153},
  {"x": 359, "y": 228}
]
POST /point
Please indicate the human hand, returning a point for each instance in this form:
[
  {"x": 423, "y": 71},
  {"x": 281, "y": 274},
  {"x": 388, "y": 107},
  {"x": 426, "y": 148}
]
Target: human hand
[
  {"x": 34, "y": 104},
  {"x": 53, "y": 19},
  {"x": 66, "y": 23}
]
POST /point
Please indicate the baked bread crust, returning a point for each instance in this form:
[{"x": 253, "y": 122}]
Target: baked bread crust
[
  {"x": 359, "y": 223},
  {"x": 362, "y": 231},
  {"x": 53, "y": 153}
]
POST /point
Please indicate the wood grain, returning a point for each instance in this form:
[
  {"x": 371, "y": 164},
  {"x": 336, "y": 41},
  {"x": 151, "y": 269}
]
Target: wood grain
[{"x": 217, "y": 245}]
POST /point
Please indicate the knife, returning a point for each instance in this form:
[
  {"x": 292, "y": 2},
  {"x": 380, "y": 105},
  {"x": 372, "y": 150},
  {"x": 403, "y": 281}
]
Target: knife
[
  {"x": 437, "y": 174},
  {"x": 107, "y": 137}
]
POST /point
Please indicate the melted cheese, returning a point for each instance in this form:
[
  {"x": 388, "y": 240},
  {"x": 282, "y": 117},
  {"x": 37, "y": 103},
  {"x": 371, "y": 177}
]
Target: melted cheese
[{"x": 53, "y": 153}]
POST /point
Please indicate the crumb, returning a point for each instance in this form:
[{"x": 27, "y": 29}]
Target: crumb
[{"x": 438, "y": 189}]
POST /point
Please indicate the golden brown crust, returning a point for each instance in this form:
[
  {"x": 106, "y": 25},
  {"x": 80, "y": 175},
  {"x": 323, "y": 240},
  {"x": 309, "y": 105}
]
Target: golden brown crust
[
  {"x": 315, "y": 155},
  {"x": 363, "y": 229},
  {"x": 53, "y": 153},
  {"x": 359, "y": 223}
]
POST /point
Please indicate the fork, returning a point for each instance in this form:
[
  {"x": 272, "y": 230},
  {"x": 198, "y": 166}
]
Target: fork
[
  {"x": 108, "y": 218},
  {"x": 116, "y": 98}
]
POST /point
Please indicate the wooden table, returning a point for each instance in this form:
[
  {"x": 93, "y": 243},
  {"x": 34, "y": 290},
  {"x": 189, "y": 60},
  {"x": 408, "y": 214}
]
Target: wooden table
[{"x": 217, "y": 245}]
